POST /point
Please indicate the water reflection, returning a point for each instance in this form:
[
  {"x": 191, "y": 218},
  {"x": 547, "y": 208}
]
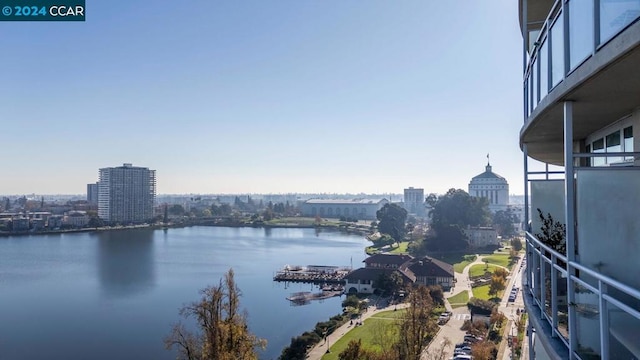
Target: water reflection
[{"x": 126, "y": 262}]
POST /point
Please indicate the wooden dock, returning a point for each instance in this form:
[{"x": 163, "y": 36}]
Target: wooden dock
[{"x": 315, "y": 274}]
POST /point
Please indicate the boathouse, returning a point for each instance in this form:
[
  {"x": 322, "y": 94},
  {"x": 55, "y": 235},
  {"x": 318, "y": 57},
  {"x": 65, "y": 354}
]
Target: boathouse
[{"x": 415, "y": 271}]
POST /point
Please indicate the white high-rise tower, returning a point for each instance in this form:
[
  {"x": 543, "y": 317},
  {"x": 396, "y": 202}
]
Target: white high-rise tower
[{"x": 126, "y": 194}]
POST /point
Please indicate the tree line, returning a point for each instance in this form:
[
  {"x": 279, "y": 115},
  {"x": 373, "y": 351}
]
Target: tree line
[{"x": 450, "y": 215}]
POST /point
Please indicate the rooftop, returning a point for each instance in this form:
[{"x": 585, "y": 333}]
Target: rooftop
[
  {"x": 488, "y": 174},
  {"x": 344, "y": 201}
]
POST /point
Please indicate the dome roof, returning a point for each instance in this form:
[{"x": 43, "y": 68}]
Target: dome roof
[{"x": 488, "y": 174}]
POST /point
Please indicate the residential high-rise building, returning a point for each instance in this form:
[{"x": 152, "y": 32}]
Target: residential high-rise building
[
  {"x": 414, "y": 201},
  {"x": 126, "y": 194},
  {"x": 491, "y": 186},
  {"x": 581, "y": 107},
  {"x": 92, "y": 193}
]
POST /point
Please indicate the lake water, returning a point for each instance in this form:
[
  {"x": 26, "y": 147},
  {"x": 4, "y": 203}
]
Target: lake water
[{"x": 115, "y": 295}]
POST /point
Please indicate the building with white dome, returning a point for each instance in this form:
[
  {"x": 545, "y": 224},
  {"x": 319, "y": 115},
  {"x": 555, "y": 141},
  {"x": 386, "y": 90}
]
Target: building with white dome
[{"x": 491, "y": 186}]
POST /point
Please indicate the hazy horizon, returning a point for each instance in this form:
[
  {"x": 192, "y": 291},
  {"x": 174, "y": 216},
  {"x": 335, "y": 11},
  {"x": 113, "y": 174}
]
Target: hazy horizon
[{"x": 244, "y": 194}]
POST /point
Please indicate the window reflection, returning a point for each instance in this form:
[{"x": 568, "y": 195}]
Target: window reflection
[
  {"x": 628, "y": 141},
  {"x": 598, "y": 147},
  {"x": 615, "y": 15},
  {"x": 613, "y": 145},
  {"x": 557, "y": 53},
  {"x": 617, "y": 141},
  {"x": 544, "y": 69},
  {"x": 580, "y": 31},
  {"x": 534, "y": 85}
]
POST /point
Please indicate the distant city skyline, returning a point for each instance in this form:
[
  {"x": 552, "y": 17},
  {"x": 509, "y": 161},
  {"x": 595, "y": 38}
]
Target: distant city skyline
[{"x": 265, "y": 97}]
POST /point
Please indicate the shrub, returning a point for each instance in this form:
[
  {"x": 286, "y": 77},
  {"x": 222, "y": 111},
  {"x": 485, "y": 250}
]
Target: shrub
[
  {"x": 351, "y": 301},
  {"x": 479, "y": 306}
]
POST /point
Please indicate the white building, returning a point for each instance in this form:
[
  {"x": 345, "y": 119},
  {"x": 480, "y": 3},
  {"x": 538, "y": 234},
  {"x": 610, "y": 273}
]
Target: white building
[
  {"x": 76, "y": 218},
  {"x": 126, "y": 194},
  {"x": 482, "y": 236},
  {"x": 414, "y": 201},
  {"x": 491, "y": 186},
  {"x": 361, "y": 209}
]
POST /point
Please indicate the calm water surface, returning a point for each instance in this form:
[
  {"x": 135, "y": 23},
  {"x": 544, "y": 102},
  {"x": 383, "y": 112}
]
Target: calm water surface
[{"x": 115, "y": 295}]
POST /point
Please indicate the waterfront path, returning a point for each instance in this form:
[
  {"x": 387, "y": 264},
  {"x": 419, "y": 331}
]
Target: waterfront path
[
  {"x": 320, "y": 349},
  {"x": 449, "y": 331}
]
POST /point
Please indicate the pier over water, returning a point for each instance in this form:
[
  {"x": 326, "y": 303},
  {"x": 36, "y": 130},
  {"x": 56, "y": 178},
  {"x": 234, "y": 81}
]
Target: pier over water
[{"x": 315, "y": 274}]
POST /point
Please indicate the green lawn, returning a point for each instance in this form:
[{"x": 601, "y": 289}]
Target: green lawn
[
  {"x": 458, "y": 260},
  {"x": 498, "y": 259},
  {"x": 479, "y": 269},
  {"x": 378, "y": 329},
  {"x": 460, "y": 299},
  {"x": 482, "y": 292},
  {"x": 391, "y": 314},
  {"x": 402, "y": 249}
]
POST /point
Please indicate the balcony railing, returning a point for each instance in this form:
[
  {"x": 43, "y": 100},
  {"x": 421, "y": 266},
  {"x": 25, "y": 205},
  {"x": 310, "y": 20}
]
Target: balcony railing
[
  {"x": 605, "y": 321},
  {"x": 573, "y": 31}
]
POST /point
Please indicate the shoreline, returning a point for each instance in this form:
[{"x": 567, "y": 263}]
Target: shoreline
[{"x": 203, "y": 222}]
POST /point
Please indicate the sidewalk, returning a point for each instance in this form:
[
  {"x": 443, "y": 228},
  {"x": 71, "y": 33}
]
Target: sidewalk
[{"x": 463, "y": 281}]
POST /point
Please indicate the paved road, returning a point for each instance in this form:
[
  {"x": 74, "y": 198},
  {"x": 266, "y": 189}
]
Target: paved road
[
  {"x": 451, "y": 330},
  {"x": 509, "y": 309}
]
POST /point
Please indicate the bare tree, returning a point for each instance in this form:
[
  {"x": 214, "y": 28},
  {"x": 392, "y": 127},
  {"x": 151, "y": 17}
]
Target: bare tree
[
  {"x": 223, "y": 332},
  {"x": 383, "y": 333},
  {"x": 416, "y": 326},
  {"x": 440, "y": 352}
]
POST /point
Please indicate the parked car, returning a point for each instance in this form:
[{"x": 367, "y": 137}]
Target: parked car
[
  {"x": 463, "y": 357},
  {"x": 470, "y": 338}
]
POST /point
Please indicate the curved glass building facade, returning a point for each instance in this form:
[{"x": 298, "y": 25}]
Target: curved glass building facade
[{"x": 581, "y": 92}]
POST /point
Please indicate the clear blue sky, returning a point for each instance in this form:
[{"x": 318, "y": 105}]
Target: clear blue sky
[{"x": 264, "y": 96}]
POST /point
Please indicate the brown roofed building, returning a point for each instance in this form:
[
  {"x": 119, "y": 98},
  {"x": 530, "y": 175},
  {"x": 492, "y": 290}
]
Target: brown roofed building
[
  {"x": 423, "y": 271},
  {"x": 386, "y": 261},
  {"x": 429, "y": 271}
]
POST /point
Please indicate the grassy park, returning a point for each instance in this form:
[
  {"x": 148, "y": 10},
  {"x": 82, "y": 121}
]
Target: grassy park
[
  {"x": 459, "y": 300},
  {"x": 375, "y": 332},
  {"x": 401, "y": 249},
  {"x": 480, "y": 269},
  {"x": 498, "y": 259},
  {"x": 482, "y": 292}
]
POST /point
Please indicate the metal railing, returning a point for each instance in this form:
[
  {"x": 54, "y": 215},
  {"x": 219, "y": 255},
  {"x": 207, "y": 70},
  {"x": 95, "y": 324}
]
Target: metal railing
[{"x": 540, "y": 254}]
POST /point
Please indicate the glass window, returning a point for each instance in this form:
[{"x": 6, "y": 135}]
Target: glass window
[
  {"x": 557, "y": 51},
  {"x": 615, "y": 15},
  {"x": 588, "y": 149},
  {"x": 526, "y": 98},
  {"x": 613, "y": 145},
  {"x": 627, "y": 134},
  {"x": 533, "y": 35},
  {"x": 544, "y": 69},
  {"x": 534, "y": 86},
  {"x": 598, "y": 147},
  {"x": 580, "y": 31}
]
